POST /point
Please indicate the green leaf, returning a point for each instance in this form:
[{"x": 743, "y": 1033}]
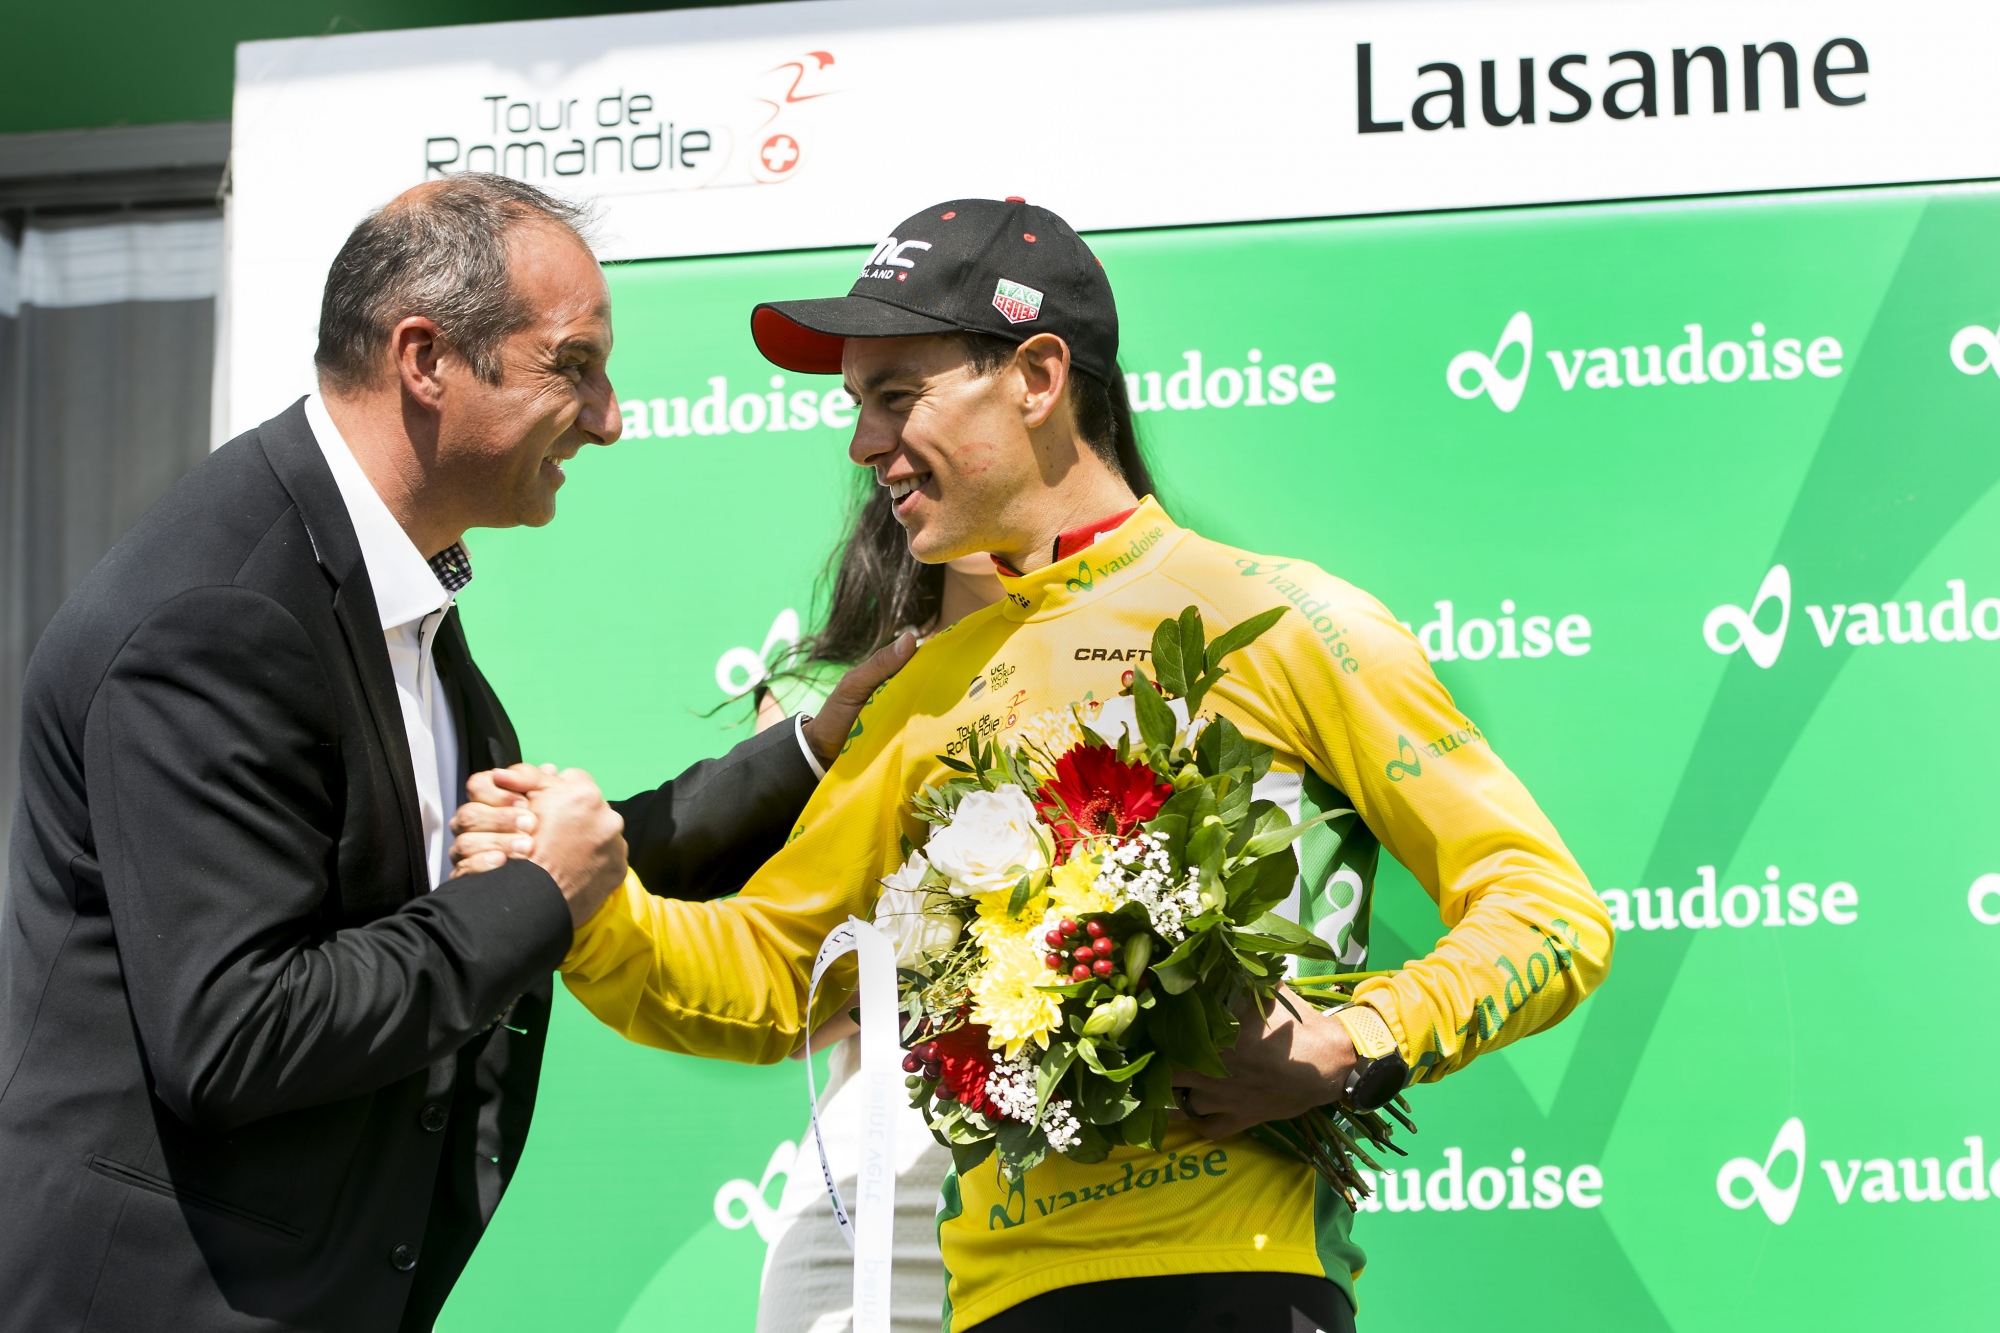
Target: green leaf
[
  {"x": 1223, "y": 747},
  {"x": 1194, "y": 642},
  {"x": 1022, "y": 892},
  {"x": 1156, "y": 720},
  {"x": 1055, "y": 1063},
  {"x": 1261, "y": 885},
  {"x": 1232, "y": 806},
  {"x": 1273, "y": 838},
  {"x": 1271, "y": 933},
  {"x": 1172, "y": 827},
  {"x": 1177, "y": 971},
  {"x": 1199, "y": 687},
  {"x": 955, "y": 765},
  {"x": 1205, "y": 846},
  {"x": 1241, "y": 635},
  {"x": 1087, "y": 1049},
  {"x": 1251, "y": 816},
  {"x": 1144, "y": 1129},
  {"x": 1222, "y": 1025},
  {"x": 1156, "y": 1089},
  {"x": 1090, "y": 1146},
  {"x": 1022, "y": 1148},
  {"x": 966, "y": 1156},
  {"x": 1102, "y": 1101},
  {"x": 1167, "y": 658},
  {"x": 1179, "y": 1028},
  {"x": 1260, "y": 760}
]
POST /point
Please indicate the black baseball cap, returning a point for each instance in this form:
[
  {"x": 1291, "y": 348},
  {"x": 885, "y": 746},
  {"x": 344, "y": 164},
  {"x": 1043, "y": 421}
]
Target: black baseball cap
[{"x": 998, "y": 266}]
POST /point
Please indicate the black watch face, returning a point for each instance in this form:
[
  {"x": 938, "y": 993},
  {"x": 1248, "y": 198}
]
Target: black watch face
[{"x": 1378, "y": 1082}]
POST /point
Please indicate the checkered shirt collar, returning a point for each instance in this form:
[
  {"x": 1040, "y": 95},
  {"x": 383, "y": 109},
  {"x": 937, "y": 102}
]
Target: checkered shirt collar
[{"x": 453, "y": 567}]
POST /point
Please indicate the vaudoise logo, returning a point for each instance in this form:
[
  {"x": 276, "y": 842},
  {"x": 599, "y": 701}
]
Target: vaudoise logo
[
  {"x": 1696, "y": 360},
  {"x": 1730, "y": 627},
  {"x": 1745, "y": 1182}
]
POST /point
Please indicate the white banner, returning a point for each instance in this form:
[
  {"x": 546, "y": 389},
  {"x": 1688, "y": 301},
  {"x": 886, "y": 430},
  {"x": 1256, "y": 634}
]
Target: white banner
[{"x": 787, "y": 126}]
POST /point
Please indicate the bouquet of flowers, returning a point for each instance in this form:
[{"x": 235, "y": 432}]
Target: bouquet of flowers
[{"x": 1088, "y": 912}]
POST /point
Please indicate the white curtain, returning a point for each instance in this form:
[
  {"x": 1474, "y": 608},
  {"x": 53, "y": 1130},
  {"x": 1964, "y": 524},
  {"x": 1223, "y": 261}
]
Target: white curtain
[{"x": 107, "y": 341}]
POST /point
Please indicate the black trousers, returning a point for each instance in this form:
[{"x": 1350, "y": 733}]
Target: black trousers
[{"x": 1184, "y": 1303}]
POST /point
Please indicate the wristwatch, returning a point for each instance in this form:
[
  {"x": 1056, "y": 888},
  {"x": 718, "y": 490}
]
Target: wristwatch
[{"x": 1380, "y": 1071}]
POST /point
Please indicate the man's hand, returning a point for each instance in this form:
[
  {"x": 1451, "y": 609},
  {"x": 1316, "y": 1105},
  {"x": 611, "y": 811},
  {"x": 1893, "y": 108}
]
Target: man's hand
[
  {"x": 560, "y": 821},
  {"x": 1280, "y": 1067},
  {"x": 827, "y": 732}
]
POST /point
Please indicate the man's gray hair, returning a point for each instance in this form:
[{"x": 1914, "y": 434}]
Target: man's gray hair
[{"x": 441, "y": 254}]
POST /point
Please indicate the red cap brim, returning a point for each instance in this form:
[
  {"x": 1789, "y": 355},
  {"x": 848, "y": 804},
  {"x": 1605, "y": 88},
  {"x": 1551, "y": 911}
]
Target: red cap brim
[{"x": 790, "y": 345}]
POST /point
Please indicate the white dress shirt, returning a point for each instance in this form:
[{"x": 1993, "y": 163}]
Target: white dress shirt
[{"x": 412, "y": 603}]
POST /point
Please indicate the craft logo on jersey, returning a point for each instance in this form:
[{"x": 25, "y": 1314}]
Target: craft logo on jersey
[{"x": 1017, "y": 303}]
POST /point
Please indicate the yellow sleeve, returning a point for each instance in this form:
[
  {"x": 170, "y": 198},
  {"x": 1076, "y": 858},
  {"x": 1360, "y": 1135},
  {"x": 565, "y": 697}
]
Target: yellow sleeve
[
  {"x": 1528, "y": 938},
  {"x": 727, "y": 979}
]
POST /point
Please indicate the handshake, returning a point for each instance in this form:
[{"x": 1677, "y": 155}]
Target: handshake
[{"x": 561, "y": 821}]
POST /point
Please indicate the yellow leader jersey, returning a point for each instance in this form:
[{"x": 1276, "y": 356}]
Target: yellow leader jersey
[{"x": 1344, "y": 696}]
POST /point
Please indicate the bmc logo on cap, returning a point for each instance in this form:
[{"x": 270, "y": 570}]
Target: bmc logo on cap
[
  {"x": 1017, "y": 303},
  {"x": 888, "y": 258}
]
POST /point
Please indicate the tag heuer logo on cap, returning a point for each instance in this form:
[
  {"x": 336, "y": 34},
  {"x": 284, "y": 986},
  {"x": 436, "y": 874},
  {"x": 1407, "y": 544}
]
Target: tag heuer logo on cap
[{"x": 1019, "y": 304}]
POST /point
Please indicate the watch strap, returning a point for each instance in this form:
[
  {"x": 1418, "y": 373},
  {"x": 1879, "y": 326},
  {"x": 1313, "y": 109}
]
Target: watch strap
[{"x": 1368, "y": 1030}]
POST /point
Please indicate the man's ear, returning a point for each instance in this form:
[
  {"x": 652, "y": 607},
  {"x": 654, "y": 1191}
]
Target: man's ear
[
  {"x": 417, "y": 347},
  {"x": 1043, "y": 361}
]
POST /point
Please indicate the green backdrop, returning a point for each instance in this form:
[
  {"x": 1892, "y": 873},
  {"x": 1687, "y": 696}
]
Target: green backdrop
[{"x": 1854, "y": 777}]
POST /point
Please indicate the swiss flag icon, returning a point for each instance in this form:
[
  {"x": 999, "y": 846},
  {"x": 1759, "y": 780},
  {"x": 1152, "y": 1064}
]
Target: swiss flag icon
[{"x": 779, "y": 154}]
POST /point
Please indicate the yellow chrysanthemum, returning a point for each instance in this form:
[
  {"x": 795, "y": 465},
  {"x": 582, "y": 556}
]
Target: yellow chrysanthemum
[
  {"x": 991, "y": 919},
  {"x": 1073, "y": 886},
  {"x": 1004, "y": 997}
]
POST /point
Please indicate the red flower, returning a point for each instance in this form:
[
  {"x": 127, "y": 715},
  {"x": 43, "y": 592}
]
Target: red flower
[
  {"x": 1094, "y": 794},
  {"x": 967, "y": 1062}
]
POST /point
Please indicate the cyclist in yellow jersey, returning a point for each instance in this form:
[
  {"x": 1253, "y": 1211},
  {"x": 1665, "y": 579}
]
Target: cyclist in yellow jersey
[{"x": 981, "y": 347}]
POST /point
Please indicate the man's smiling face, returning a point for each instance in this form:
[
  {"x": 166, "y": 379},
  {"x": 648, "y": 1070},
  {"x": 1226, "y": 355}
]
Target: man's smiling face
[
  {"x": 948, "y": 442},
  {"x": 509, "y": 441}
]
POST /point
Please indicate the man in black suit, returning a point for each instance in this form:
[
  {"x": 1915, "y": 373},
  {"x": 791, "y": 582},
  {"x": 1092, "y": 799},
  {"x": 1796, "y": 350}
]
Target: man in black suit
[{"x": 262, "y": 1065}]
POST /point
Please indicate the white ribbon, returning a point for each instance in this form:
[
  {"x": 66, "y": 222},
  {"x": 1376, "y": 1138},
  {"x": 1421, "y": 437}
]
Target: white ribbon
[{"x": 872, "y": 1232}]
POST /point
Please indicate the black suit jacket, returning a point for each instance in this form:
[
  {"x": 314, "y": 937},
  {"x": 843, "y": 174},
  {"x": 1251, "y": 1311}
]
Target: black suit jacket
[{"x": 253, "y": 1075}]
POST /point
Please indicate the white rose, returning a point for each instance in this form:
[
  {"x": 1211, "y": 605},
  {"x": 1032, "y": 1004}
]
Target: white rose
[
  {"x": 899, "y": 914},
  {"x": 992, "y": 840}
]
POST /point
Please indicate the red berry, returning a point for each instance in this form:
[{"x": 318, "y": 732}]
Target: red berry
[
  {"x": 1106, "y": 947},
  {"x": 1054, "y": 961},
  {"x": 1054, "y": 938},
  {"x": 1096, "y": 928},
  {"x": 928, "y": 1052},
  {"x": 911, "y": 1064},
  {"x": 1102, "y": 967},
  {"x": 1079, "y": 973},
  {"x": 1068, "y": 926},
  {"x": 1126, "y": 679},
  {"x": 1144, "y": 981}
]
